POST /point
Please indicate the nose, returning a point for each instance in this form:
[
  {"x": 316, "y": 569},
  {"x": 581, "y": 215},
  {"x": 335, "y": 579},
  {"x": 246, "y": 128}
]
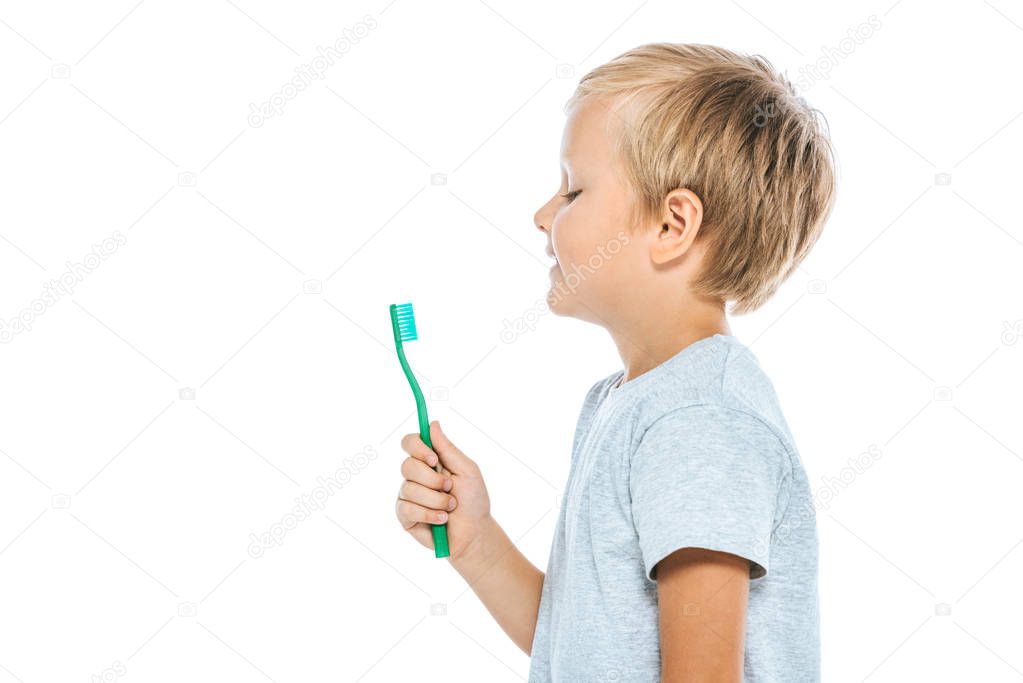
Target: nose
[{"x": 541, "y": 219}]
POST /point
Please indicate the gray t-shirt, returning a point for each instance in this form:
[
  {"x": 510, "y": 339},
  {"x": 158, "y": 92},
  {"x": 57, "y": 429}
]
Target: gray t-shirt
[{"x": 693, "y": 453}]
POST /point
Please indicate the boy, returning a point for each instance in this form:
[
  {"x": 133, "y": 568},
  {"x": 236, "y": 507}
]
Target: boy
[{"x": 686, "y": 544}]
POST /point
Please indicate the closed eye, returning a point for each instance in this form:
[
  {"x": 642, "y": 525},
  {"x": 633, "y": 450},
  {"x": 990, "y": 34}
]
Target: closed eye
[{"x": 571, "y": 195}]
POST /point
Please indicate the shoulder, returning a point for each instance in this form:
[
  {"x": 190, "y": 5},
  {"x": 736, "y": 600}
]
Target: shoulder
[
  {"x": 724, "y": 401},
  {"x": 721, "y": 383}
]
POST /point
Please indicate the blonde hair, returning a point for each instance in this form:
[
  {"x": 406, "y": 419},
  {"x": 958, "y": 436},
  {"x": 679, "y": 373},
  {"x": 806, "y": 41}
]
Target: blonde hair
[{"x": 732, "y": 130}]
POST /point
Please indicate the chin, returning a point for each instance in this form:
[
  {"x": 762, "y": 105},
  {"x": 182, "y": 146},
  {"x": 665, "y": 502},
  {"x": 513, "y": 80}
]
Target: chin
[
  {"x": 565, "y": 305},
  {"x": 555, "y": 303},
  {"x": 564, "y": 300}
]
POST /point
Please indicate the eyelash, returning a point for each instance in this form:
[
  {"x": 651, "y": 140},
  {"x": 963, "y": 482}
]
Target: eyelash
[{"x": 571, "y": 195}]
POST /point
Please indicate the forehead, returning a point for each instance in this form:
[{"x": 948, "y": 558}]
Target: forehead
[{"x": 586, "y": 134}]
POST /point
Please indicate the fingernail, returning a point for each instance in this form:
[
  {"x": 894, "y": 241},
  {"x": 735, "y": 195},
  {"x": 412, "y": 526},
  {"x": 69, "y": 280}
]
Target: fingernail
[
  {"x": 451, "y": 504},
  {"x": 433, "y": 461},
  {"x": 442, "y": 516},
  {"x": 448, "y": 484}
]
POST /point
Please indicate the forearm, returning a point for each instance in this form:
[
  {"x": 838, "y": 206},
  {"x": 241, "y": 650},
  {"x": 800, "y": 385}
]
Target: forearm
[{"x": 505, "y": 581}]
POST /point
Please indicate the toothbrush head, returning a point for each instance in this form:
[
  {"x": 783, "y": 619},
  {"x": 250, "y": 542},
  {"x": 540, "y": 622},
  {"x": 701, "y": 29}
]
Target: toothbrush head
[{"x": 404, "y": 321}]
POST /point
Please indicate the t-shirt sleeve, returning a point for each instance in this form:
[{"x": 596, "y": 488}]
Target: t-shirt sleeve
[{"x": 707, "y": 476}]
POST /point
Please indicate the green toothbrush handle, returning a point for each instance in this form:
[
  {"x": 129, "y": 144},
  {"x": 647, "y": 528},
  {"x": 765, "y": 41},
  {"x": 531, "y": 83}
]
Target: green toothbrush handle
[{"x": 440, "y": 531}]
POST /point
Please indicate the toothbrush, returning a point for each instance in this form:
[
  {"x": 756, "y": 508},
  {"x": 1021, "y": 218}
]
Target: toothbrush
[{"x": 403, "y": 323}]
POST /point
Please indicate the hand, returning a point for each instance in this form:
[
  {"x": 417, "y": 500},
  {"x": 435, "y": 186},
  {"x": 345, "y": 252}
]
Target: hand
[{"x": 425, "y": 493}]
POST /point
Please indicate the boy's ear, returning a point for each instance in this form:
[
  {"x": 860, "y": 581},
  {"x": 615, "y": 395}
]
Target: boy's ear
[{"x": 679, "y": 226}]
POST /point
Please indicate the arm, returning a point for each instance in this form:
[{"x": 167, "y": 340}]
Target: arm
[
  {"x": 505, "y": 581},
  {"x": 702, "y": 596}
]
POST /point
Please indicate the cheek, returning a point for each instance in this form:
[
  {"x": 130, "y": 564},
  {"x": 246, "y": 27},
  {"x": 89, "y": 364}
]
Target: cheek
[
  {"x": 569, "y": 250},
  {"x": 561, "y": 237},
  {"x": 580, "y": 231},
  {"x": 569, "y": 235}
]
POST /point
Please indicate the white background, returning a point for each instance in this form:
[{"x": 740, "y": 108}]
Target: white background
[{"x": 258, "y": 262}]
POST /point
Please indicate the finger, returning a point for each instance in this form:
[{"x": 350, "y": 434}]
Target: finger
[
  {"x": 409, "y": 512},
  {"x": 451, "y": 457},
  {"x": 416, "y": 471},
  {"x": 422, "y": 533},
  {"x": 414, "y": 446},
  {"x": 417, "y": 493},
  {"x": 406, "y": 524}
]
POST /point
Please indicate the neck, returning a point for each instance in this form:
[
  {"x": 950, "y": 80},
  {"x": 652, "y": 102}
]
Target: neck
[{"x": 648, "y": 342}]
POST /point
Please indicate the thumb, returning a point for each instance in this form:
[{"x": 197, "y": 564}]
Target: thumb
[{"x": 451, "y": 457}]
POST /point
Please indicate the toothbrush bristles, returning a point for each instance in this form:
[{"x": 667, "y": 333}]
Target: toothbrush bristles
[{"x": 406, "y": 321}]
